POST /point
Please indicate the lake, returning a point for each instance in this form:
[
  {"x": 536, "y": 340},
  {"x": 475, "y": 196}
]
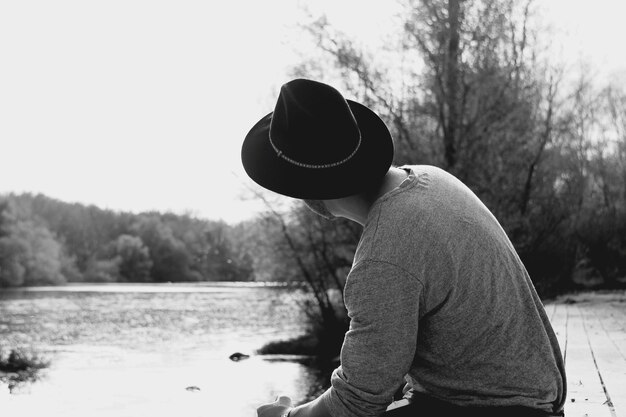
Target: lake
[{"x": 133, "y": 350}]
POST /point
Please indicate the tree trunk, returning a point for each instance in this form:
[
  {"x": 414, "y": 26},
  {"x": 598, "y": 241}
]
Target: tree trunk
[{"x": 452, "y": 83}]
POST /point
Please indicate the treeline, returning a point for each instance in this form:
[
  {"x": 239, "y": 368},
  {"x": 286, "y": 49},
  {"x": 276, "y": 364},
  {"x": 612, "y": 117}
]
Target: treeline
[{"x": 44, "y": 241}]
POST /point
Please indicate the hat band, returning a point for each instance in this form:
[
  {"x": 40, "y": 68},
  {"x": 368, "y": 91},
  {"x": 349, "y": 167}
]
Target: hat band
[{"x": 280, "y": 154}]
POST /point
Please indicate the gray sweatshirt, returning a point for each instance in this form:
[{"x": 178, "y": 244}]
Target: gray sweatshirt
[{"x": 438, "y": 298}]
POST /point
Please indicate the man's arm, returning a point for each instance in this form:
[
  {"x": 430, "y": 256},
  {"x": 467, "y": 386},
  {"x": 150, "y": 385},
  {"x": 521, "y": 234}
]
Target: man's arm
[{"x": 378, "y": 349}]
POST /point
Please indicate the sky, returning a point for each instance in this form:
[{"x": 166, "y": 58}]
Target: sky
[{"x": 139, "y": 105}]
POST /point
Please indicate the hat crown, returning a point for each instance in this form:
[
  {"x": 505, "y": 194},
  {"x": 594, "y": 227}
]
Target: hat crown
[{"x": 313, "y": 126}]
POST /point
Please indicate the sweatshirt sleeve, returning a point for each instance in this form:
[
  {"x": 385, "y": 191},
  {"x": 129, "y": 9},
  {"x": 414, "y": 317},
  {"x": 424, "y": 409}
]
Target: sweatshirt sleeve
[{"x": 378, "y": 349}]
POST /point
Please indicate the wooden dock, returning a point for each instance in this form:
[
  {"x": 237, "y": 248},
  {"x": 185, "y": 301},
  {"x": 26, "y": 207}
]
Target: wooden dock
[{"x": 591, "y": 328}]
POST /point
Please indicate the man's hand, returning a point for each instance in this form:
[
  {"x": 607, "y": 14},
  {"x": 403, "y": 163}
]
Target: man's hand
[{"x": 276, "y": 409}]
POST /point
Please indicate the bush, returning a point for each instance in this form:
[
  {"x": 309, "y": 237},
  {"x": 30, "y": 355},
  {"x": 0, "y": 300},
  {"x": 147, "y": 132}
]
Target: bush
[
  {"x": 105, "y": 270},
  {"x": 322, "y": 341},
  {"x": 29, "y": 252},
  {"x": 134, "y": 258},
  {"x": 20, "y": 366}
]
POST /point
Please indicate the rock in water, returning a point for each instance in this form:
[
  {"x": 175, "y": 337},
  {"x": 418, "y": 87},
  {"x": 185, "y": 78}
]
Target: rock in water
[{"x": 238, "y": 356}]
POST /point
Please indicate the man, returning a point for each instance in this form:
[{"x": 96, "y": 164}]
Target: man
[{"x": 437, "y": 296}]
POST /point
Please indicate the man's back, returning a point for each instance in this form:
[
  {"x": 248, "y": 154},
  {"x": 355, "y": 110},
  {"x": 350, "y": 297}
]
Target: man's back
[{"x": 437, "y": 292}]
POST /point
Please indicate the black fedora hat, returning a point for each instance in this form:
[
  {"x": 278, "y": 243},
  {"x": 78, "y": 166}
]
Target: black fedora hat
[{"x": 317, "y": 145}]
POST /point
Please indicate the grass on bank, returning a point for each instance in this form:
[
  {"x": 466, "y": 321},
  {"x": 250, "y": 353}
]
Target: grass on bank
[
  {"x": 323, "y": 342},
  {"x": 19, "y": 366}
]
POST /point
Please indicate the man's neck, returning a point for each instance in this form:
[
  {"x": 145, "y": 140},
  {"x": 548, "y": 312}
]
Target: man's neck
[
  {"x": 357, "y": 207},
  {"x": 391, "y": 181}
]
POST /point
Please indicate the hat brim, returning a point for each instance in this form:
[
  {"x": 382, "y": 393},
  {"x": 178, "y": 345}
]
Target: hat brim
[{"x": 368, "y": 165}]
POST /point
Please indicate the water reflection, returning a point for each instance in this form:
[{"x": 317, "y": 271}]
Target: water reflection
[{"x": 317, "y": 374}]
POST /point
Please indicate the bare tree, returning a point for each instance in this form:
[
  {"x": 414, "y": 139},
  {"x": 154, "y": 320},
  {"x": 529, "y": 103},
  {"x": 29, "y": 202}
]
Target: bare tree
[{"x": 470, "y": 87}]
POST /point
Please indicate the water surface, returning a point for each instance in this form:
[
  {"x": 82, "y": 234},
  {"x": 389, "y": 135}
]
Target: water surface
[{"x": 131, "y": 350}]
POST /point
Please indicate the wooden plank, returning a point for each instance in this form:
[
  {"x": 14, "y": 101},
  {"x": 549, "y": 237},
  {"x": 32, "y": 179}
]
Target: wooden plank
[
  {"x": 558, "y": 319},
  {"x": 587, "y": 410},
  {"x": 601, "y": 326},
  {"x": 586, "y": 396},
  {"x": 618, "y": 322},
  {"x": 591, "y": 330}
]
